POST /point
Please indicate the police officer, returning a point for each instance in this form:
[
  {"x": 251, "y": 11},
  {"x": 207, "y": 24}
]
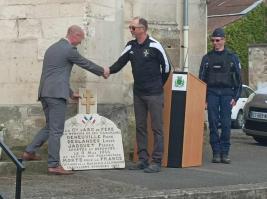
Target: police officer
[{"x": 220, "y": 69}]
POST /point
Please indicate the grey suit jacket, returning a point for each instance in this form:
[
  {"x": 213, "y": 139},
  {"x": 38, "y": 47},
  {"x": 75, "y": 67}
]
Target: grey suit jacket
[{"x": 57, "y": 65}]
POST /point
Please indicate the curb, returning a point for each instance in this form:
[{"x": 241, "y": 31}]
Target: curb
[
  {"x": 241, "y": 191},
  {"x": 34, "y": 167}
]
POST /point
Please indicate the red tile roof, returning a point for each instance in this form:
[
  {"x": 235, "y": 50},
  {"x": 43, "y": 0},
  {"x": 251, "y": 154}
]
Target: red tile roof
[
  {"x": 225, "y": 7},
  {"x": 218, "y": 7},
  {"x": 217, "y": 22}
]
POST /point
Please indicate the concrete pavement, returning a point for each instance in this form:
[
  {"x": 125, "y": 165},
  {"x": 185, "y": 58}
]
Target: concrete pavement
[{"x": 245, "y": 178}]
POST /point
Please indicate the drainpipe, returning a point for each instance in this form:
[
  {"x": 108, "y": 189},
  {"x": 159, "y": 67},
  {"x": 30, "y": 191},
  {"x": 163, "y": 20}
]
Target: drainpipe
[{"x": 185, "y": 36}]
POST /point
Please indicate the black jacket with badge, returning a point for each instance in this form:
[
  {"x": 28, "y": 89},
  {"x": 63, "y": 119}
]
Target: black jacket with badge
[
  {"x": 221, "y": 71},
  {"x": 150, "y": 66}
]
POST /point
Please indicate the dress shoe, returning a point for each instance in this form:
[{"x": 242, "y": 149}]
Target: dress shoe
[
  {"x": 216, "y": 158},
  {"x": 26, "y": 156},
  {"x": 140, "y": 165},
  {"x": 59, "y": 171},
  {"x": 225, "y": 159}
]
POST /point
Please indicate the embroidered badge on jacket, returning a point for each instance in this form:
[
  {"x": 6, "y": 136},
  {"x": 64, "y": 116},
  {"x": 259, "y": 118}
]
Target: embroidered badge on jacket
[{"x": 146, "y": 52}]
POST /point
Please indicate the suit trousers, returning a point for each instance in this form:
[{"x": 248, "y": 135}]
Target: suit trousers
[
  {"x": 142, "y": 106},
  {"x": 54, "y": 110}
]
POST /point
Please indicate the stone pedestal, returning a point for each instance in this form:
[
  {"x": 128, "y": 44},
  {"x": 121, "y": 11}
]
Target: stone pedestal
[{"x": 91, "y": 141}]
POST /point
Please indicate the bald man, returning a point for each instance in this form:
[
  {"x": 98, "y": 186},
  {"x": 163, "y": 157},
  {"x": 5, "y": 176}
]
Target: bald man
[{"x": 54, "y": 92}]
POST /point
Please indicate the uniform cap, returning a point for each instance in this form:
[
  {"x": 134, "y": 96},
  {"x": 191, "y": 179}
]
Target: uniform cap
[{"x": 218, "y": 32}]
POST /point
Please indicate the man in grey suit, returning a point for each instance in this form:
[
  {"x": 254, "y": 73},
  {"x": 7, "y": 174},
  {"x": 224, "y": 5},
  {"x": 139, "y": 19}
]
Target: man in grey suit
[{"x": 54, "y": 91}]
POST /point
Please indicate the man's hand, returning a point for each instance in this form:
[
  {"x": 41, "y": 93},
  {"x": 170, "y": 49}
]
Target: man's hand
[
  {"x": 75, "y": 96},
  {"x": 233, "y": 102},
  {"x": 106, "y": 72}
]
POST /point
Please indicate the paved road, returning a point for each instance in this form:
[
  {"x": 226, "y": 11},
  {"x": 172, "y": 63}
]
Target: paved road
[{"x": 248, "y": 167}]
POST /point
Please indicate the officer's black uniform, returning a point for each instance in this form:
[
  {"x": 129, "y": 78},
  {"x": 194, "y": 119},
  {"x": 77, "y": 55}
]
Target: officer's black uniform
[{"x": 221, "y": 71}]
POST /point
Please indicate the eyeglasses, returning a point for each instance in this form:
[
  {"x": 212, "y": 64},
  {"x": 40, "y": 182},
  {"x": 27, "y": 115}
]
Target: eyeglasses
[
  {"x": 215, "y": 40},
  {"x": 134, "y": 27}
]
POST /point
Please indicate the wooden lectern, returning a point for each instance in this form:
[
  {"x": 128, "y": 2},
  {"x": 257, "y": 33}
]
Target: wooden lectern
[{"x": 183, "y": 125}]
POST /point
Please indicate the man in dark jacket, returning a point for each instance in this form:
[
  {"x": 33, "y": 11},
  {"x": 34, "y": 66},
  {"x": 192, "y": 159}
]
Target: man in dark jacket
[
  {"x": 150, "y": 68},
  {"x": 54, "y": 92},
  {"x": 220, "y": 69}
]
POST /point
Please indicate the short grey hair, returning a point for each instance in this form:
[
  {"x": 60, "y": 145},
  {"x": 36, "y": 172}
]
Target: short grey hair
[{"x": 142, "y": 21}]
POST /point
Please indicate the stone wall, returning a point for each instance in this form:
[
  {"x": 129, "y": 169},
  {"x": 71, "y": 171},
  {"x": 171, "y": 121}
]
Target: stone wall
[
  {"x": 258, "y": 65},
  {"x": 28, "y": 28}
]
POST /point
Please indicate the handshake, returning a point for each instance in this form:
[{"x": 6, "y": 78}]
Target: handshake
[{"x": 106, "y": 72}]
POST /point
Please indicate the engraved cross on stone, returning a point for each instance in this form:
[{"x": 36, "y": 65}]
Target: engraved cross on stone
[{"x": 88, "y": 100}]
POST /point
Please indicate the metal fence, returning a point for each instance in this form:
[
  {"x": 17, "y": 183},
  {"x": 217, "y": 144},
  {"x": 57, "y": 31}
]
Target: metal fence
[{"x": 19, "y": 165}]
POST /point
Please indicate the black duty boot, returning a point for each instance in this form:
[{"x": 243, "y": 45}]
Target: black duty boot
[
  {"x": 216, "y": 158},
  {"x": 225, "y": 159},
  {"x": 153, "y": 168}
]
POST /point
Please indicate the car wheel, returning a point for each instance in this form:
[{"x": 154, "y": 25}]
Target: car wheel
[
  {"x": 238, "y": 123},
  {"x": 261, "y": 140}
]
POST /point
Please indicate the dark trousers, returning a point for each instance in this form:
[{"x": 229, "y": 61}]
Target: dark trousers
[
  {"x": 153, "y": 105},
  {"x": 219, "y": 110},
  {"x": 54, "y": 110}
]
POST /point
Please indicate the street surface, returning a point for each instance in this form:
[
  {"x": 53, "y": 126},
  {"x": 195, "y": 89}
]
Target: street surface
[{"x": 248, "y": 166}]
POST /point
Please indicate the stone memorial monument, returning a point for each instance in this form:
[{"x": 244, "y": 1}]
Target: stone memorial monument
[{"x": 91, "y": 141}]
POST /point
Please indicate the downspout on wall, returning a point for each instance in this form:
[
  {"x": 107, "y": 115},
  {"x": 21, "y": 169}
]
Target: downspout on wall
[{"x": 185, "y": 36}]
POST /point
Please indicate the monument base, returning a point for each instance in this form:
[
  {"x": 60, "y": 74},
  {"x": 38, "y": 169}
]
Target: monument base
[{"x": 91, "y": 141}]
